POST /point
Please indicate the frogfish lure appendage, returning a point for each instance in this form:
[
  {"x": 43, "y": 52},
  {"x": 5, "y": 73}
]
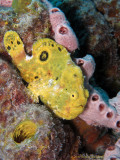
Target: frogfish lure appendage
[{"x": 51, "y": 75}]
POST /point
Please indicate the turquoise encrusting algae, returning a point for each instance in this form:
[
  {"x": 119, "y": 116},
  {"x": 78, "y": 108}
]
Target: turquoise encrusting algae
[{"x": 51, "y": 75}]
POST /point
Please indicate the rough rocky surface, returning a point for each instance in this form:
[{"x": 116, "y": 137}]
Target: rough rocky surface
[
  {"x": 31, "y": 25},
  {"x": 94, "y": 140}
]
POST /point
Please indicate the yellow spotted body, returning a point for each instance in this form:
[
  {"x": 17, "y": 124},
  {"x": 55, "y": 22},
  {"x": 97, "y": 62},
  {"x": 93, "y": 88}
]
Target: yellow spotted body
[{"x": 51, "y": 75}]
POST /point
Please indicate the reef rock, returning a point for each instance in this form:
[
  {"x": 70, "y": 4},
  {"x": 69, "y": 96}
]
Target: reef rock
[
  {"x": 94, "y": 140},
  {"x": 31, "y": 24}
]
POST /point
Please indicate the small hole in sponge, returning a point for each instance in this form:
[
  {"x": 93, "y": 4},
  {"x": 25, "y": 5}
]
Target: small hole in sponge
[
  {"x": 63, "y": 30},
  {"x": 109, "y": 114},
  {"x": 101, "y": 107},
  {"x": 55, "y": 10},
  {"x": 80, "y": 62},
  {"x": 118, "y": 124},
  {"x": 95, "y": 97},
  {"x": 111, "y": 148},
  {"x": 24, "y": 130}
]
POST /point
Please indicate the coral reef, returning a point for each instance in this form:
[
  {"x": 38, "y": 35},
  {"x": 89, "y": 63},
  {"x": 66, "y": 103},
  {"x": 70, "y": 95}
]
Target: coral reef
[
  {"x": 28, "y": 131},
  {"x": 48, "y": 138},
  {"x": 63, "y": 33},
  {"x": 33, "y": 135},
  {"x": 100, "y": 111},
  {"x": 98, "y": 105},
  {"x": 98, "y": 35},
  {"x": 31, "y": 25},
  {"x": 96, "y": 24}
]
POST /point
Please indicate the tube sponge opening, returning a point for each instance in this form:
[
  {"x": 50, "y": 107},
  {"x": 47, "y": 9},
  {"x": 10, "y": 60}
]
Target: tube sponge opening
[{"x": 24, "y": 130}]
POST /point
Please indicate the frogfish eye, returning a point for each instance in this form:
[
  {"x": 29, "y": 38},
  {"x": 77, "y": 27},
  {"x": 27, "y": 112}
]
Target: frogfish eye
[{"x": 44, "y": 56}]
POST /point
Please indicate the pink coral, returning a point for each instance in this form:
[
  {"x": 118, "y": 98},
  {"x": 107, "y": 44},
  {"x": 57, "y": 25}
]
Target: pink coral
[
  {"x": 100, "y": 112},
  {"x": 99, "y": 109},
  {"x": 57, "y": 17},
  {"x": 63, "y": 33},
  {"x": 6, "y": 3},
  {"x": 87, "y": 64},
  {"x": 65, "y": 36}
]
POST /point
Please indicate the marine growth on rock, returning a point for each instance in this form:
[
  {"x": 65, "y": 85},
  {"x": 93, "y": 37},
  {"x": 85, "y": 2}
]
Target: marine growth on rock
[{"x": 29, "y": 31}]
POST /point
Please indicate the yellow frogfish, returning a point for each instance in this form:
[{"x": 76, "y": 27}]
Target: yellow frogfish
[{"x": 51, "y": 75}]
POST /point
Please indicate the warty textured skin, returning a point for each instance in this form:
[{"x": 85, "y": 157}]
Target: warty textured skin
[{"x": 49, "y": 72}]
